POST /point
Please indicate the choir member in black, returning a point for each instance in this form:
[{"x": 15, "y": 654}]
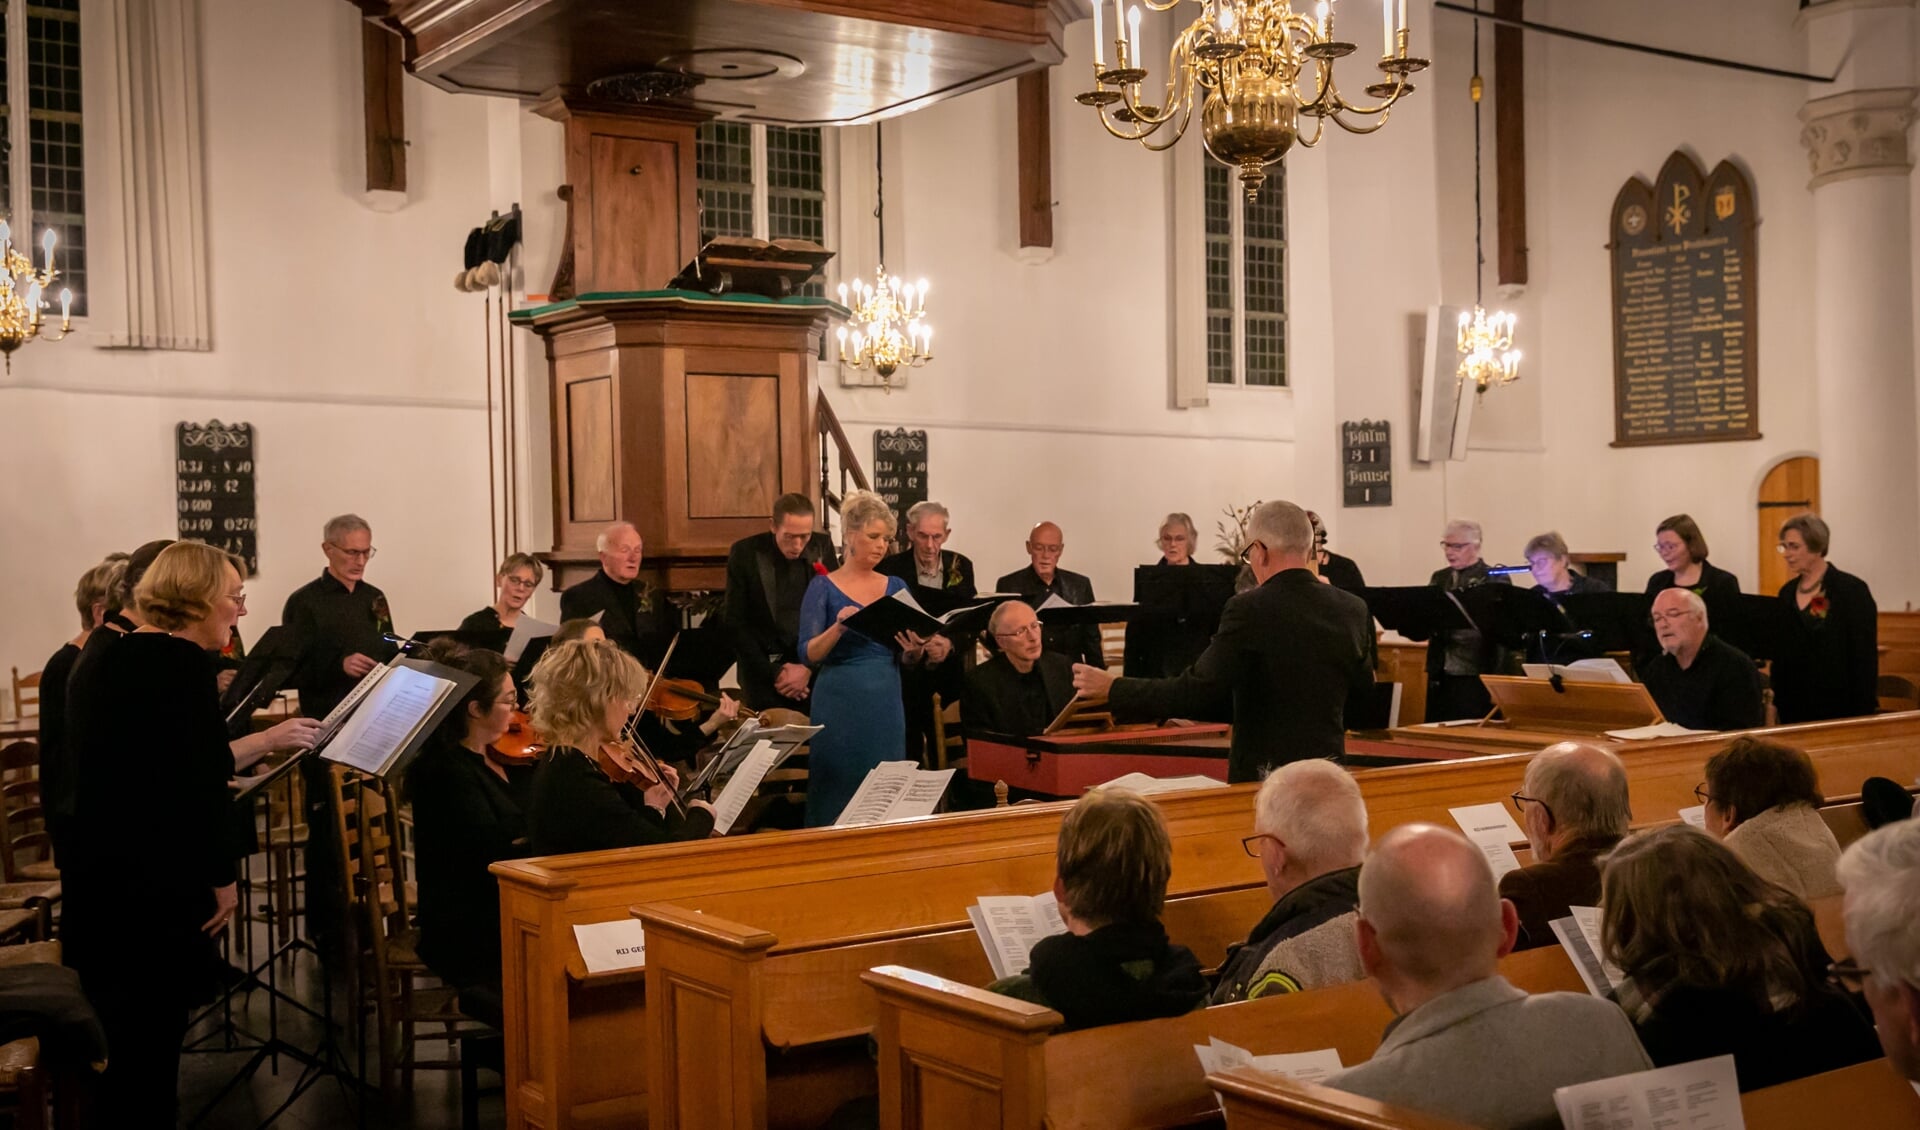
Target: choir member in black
[
  {"x": 1340, "y": 572},
  {"x": 632, "y": 614},
  {"x": 1176, "y": 540},
  {"x": 939, "y": 579},
  {"x": 513, "y": 585},
  {"x": 1022, "y": 688},
  {"x": 1699, "y": 680},
  {"x": 92, "y": 599},
  {"x": 1547, "y": 560},
  {"x": 767, "y": 575},
  {"x": 583, "y": 694},
  {"x": 1457, "y": 659},
  {"x": 1288, "y": 654},
  {"x": 1832, "y": 667},
  {"x": 467, "y": 815},
  {"x": 151, "y": 884},
  {"x": 1044, "y": 578},
  {"x": 1683, "y": 550}
]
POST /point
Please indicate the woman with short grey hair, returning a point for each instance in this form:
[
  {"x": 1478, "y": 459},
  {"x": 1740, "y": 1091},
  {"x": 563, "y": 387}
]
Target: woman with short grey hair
[
  {"x": 1456, "y": 660},
  {"x": 1178, "y": 539},
  {"x": 1831, "y": 668}
]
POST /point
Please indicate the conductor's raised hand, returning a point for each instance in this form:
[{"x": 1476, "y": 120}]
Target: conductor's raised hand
[{"x": 1091, "y": 682}]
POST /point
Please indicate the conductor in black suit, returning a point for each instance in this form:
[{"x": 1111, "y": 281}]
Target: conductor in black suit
[
  {"x": 1043, "y": 578},
  {"x": 632, "y": 615},
  {"x": 1024, "y": 687},
  {"x": 1288, "y": 653},
  {"x": 767, "y": 577},
  {"x": 939, "y": 579}
]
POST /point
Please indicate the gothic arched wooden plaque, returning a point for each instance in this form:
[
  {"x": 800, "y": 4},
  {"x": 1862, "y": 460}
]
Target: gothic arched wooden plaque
[{"x": 1685, "y": 311}]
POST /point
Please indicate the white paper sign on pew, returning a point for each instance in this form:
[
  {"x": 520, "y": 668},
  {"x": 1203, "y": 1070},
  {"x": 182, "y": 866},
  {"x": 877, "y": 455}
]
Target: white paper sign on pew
[
  {"x": 609, "y": 946},
  {"x": 1216, "y": 1055},
  {"x": 1492, "y": 830},
  {"x": 1702, "y": 1095}
]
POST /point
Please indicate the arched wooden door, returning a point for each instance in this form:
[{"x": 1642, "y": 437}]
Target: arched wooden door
[{"x": 1791, "y": 487}]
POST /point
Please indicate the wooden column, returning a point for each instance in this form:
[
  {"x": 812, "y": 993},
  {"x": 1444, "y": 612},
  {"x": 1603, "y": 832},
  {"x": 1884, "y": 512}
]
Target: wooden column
[
  {"x": 1036, "y": 159},
  {"x": 386, "y": 127},
  {"x": 1510, "y": 143}
]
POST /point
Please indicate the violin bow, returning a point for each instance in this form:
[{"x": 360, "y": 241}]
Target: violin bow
[{"x": 631, "y": 732}]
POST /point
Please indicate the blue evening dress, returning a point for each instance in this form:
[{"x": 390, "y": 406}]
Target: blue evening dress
[{"x": 856, "y": 696}]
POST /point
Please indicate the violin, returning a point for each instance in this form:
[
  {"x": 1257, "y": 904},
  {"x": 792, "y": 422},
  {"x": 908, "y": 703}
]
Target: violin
[
  {"x": 680, "y": 700},
  {"x": 520, "y": 746}
]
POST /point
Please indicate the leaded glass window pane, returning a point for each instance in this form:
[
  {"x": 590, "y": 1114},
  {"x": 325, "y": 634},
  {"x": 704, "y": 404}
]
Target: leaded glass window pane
[{"x": 58, "y": 197}]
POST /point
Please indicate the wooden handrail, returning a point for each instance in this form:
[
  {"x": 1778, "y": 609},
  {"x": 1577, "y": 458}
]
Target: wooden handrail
[{"x": 849, "y": 458}]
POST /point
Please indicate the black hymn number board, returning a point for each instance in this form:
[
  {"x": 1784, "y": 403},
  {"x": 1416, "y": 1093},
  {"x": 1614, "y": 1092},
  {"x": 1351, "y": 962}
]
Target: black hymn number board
[
  {"x": 900, "y": 471},
  {"x": 214, "y": 468},
  {"x": 1366, "y": 463}
]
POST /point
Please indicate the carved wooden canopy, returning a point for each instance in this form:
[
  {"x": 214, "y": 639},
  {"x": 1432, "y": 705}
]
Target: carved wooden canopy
[{"x": 798, "y": 62}]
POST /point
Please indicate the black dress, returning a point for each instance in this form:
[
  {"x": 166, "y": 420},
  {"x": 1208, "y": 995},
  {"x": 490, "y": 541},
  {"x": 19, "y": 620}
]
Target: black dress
[
  {"x": 1832, "y": 668},
  {"x": 56, "y": 765},
  {"x": 1717, "y": 587},
  {"x": 574, "y": 807},
  {"x": 465, "y": 818},
  {"x": 151, "y": 824}
]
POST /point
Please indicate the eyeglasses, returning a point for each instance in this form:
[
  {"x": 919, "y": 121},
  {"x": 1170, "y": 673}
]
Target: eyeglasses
[
  {"x": 1032, "y": 629},
  {"x": 1456, "y": 546},
  {"x": 239, "y": 599},
  {"x": 1249, "y": 844},
  {"x": 356, "y": 554},
  {"x": 1700, "y": 793},
  {"x": 518, "y": 582},
  {"x": 1517, "y": 797},
  {"x": 1787, "y": 546},
  {"x": 1246, "y": 552},
  {"x": 1659, "y": 618},
  {"x": 1848, "y": 974},
  {"x": 1036, "y": 547}
]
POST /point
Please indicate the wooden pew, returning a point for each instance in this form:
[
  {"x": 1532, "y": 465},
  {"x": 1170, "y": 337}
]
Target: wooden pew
[
  {"x": 1866, "y": 1096},
  {"x": 953, "y": 1056},
  {"x": 575, "y": 1042}
]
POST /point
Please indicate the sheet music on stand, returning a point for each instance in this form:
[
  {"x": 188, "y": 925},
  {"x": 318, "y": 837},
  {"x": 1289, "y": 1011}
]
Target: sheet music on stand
[
  {"x": 784, "y": 739},
  {"x": 895, "y": 790},
  {"x": 390, "y": 714}
]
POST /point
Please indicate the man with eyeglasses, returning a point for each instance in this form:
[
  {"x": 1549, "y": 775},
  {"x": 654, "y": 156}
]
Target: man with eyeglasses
[
  {"x": 1287, "y": 655},
  {"x": 340, "y": 619},
  {"x": 1024, "y": 686},
  {"x": 767, "y": 578},
  {"x": 1573, "y": 806},
  {"x": 1699, "y": 680},
  {"x": 1456, "y": 660},
  {"x": 1044, "y": 578},
  {"x": 1880, "y": 873},
  {"x": 630, "y": 613},
  {"x": 939, "y": 579}
]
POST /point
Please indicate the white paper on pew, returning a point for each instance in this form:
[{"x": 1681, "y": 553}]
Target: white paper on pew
[
  {"x": 1657, "y": 730},
  {"x": 1588, "y": 918},
  {"x": 1492, "y": 830},
  {"x": 1216, "y": 1055},
  {"x": 1702, "y": 1095},
  {"x": 1011, "y": 925},
  {"x": 1696, "y": 816},
  {"x": 733, "y": 799},
  {"x": 607, "y": 946},
  {"x": 1585, "y": 961},
  {"x": 1148, "y": 786}
]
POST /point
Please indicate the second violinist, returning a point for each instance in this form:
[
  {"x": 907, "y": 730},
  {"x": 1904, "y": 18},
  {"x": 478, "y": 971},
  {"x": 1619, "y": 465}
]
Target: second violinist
[{"x": 583, "y": 694}]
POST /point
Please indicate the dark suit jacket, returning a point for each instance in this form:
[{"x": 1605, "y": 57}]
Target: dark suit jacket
[
  {"x": 765, "y": 637},
  {"x": 643, "y": 633},
  {"x": 1833, "y": 668},
  {"x": 1079, "y": 644},
  {"x": 1544, "y": 891},
  {"x": 956, "y": 574},
  {"x": 994, "y": 702},
  {"x": 1280, "y": 668}
]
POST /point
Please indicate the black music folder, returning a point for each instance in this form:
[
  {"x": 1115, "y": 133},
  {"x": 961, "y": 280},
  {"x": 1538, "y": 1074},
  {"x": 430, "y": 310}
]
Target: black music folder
[
  {"x": 884, "y": 619},
  {"x": 1054, "y": 612},
  {"x": 1418, "y": 612},
  {"x": 262, "y": 673}
]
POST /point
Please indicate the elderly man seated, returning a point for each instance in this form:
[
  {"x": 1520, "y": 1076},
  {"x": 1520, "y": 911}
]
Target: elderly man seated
[
  {"x": 1465, "y": 1044},
  {"x": 1573, "y": 807},
  {"x": 1699, "y": 680},
  {"x": 1023, "y": 687},
  {"x": 1881, "y": 876},
  {"x": 1309, "y": 834}
]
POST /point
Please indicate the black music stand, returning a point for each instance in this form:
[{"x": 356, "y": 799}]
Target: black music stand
[
  {"x": 1518, "y": 619},
  {"x": 1418, "y": 612},
  {"x": 261, "y": 675},
  {"x": 1618, "y": 620},
  {"x": 1179, "y": 611},
  {"x": 1765, "y": 627}
]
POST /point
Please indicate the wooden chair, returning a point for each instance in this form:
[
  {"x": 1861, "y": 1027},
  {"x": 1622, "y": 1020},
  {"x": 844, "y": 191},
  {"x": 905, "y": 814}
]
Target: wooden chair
[
  {"x": 26, "y": 848},
  {"x": 25, "y": 1085},
  {"x": 949, "y": 743},
  {"x": 1897, "y": 692},
  {"x": 26, "y": 694}
]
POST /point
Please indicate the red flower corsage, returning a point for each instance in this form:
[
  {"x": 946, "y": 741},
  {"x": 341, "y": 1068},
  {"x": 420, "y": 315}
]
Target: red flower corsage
[
  {"x": 819, "y": 570},
  {"x": 1817, "y": 607}
]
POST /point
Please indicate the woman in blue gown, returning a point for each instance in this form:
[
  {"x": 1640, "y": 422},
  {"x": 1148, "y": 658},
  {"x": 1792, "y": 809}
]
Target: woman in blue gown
[{"x": 856, "y": 695}]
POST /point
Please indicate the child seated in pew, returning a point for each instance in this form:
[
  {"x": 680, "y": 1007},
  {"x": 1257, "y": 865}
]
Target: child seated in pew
[{"x": 1114, "y": 964}]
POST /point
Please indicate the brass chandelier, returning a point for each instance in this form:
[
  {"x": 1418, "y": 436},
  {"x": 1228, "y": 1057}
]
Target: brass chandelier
[
  {"x": 22, "y": 291},
  {"x": 1253, "y": 69},
  {"x": 1487, "y": 355},
  {"x": 887, "y": 328}
]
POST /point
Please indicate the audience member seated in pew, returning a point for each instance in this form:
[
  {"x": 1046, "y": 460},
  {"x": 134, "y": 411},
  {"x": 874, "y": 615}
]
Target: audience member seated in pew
[
  {"x": 1309, "y": 834},
  {"x": 1881, "y": 875},
  {"x": 1573, "y": 807},
  {"x": 1114, "y": 964},
  {"x": 1465, "y": 1043},
  {"x": 1720, "y": 962},
  {"x": 1764, "y": 801},
  {"x": 1884, "y": 801}
]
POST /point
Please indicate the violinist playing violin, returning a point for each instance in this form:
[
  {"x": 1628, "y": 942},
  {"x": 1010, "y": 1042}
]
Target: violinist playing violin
[
  {"x": 468, "y": 813},
  {"x": 597, "y": 789}
]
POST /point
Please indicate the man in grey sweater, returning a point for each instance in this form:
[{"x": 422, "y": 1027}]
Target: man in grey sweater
[{"x": 1464, "y": 1043}]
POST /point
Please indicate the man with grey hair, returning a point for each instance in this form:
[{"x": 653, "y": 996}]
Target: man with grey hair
[
  {"x": 340, "y": 620},
  {"x": 1465, "y": 1044},
  {"x": 1880, "y": 873},
  {"x": 1309, "y": 834},
  {"x": 1457, "y": 659},
  {"x": 1699, "y": 680},
  {"x": 1023, "y": 687},
  {"x": 940, "y": 580},
  {"x": 1288, "y": 653},
  {"x": 629, "y": 611},
  {"x": 1573, "y": 807}
]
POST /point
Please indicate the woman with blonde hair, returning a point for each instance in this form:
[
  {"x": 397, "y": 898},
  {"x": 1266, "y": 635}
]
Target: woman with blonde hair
[
  {"x": 153, "y": 849},
  {"x": 581, "y": 798},
  {"x": 856, "y": 695},
  {"x": 1720, "y": 962}
]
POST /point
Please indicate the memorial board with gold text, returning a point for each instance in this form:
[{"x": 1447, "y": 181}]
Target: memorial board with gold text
[{"x": 1685, "y": 312}]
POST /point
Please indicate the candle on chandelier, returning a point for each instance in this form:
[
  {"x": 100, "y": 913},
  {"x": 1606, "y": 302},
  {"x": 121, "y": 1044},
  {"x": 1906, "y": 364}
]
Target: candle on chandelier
[
  {"x": 66, "y": 306},
  {"x": 1226, "y": 19},
  {"x": 46, "y": 244},
  {"x": 1386, "y": 28},
  {"x": 1120, "y": 29},
  {"x": 1133, "y": 33},
  {"x": 1323, "y": 12},
  {"x": 1099, "y": 43}
]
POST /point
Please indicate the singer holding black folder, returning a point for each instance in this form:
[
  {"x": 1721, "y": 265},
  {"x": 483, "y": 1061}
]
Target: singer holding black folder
[{"x": 856, "y": 695}]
